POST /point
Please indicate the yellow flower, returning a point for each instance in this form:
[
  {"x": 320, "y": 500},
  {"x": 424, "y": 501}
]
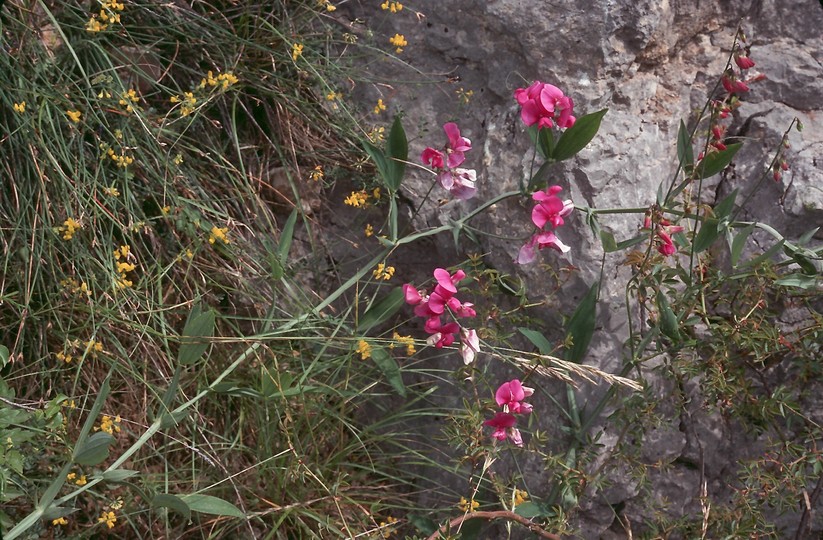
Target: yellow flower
[
  {"x": 178, "y": 159},
  {"x": 464, "y": 95},
  {"x": 332, "y": 95},
  {"x": 520, "y": 497},
  {"x": 369, "y": 230},
  {"x": 386, "y": 526},
  {"x": 357, "y": 199},
  {"x": 70, "y": 226},
  {"x": 95, "y": 25},
  {"x": 20, "y": 107},
  {"x": 465, "y": 505},
  {"x": 189, "y": 254},
  {"x": 63, "y": 357},
  {"x": 316, "y": 174},
  {"x": 379, "y": 107},
  {"x": 219, "y": 233},
  {"x": 376, "y": 194},
  {"x": 74, "y": 116},
  {"x": 408, "y": 341},
  {"x": 71, "y": 476},
  {"x": 394, "y": 7},
  {"x": 383, "y": 272},
  {"x": 330, "y": 7},
  {"x": 296, "y": 51},
  {"x": 364, "y": 349},
  {"x": 59, "y": 521},
  {"x": 109, "y": 425},
  {"x": 111, "y": 191},
  {"x": 109, "y": 518},
  {"x": 398, "y": 41},
  {"x": 376, "y": 134},
  {"x": 93, "y": 347},
  {"x": 81, "y": 481}
]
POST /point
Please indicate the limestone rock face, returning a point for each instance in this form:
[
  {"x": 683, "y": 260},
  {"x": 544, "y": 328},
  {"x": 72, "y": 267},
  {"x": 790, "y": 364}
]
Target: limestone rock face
[{"x": 652, "y": 63}]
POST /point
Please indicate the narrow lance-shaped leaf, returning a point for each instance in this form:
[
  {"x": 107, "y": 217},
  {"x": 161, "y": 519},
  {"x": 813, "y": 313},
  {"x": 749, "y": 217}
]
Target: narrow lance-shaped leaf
[
  {"x": 381, "y": 310},
  {"x": 397, "y": 149},
  {"x": 196, "y": 335},
  {"x": 390, "y": 369},
  {"x": 581, "y": 325},
  {"x": 207, "y": 504},
  {"x": 578, "y": 136},
  {"x": 714, "y": 162},
  {"x": 684, "y": 147},
  {"x": 172, "y": 502}
]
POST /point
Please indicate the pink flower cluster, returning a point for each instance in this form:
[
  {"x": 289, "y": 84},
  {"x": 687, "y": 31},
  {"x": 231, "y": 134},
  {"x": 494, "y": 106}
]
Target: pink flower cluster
[
  {"x": 446, "y": 163},
  {"x": 736, "y": 84},
  {"x": 442, "y": 301},
  {"x": 545, "y": 105},
  {"x": 549, "y": 210},
  {"x": 509, "y": 397},
  {"x": 665, "y": 230}
]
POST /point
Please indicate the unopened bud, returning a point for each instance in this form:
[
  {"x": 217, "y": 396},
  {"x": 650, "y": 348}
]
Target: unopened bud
[
  {"x": 799, "y": 125},
  {"x": 784, "y": 165},
  {"x": 777, "y": 176}
]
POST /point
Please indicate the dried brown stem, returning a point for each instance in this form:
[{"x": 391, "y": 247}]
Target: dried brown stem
[{"x": 500, "y": 514}]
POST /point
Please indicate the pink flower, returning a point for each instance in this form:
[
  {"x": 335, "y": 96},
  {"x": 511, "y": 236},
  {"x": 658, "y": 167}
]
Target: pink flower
[
  {"x": 457, "y": 145},
  {"x": 433, "y": 158},
  {"x": 510, "y": 396},
  {"x": 460, "y": 182},
  {"x": 469, "y": 345},
  {"x": 542, "y": 240},
  {"x": 667, "y": 246},
  {"x": 743, "y": 62},
  {"x": 733, "y": 85},
  {"x": 503, "y": 424},
  {"x": 550, "y": 209},
  {"x": 544, "y": 104}
]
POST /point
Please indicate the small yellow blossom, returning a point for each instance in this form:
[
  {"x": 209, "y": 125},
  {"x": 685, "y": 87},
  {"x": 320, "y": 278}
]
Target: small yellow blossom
[
  {"x": 330, "y": 7},
  {"x": 364, "y": 349},
  {"x": 189, "y": 254},
  {"x": 71, "y": 476},
  {"x": 109, "y": 518},
  {"x": 166, "y": 210},
  {"x": 296, "y": 51},
  {"x": 376, "y": 194},
  {"x": 59, "y": 521},
  {"x": 20, "y": 107},
  {"x": 63, "y": 357},
  {"x": 520, "y": 496},
  {"x": 357, "y": 199},
  {"x": 94, "y": 25},
  {"x": 394, "y": 7},
  {"x": 127, "y": 99},
  {"x": 333, "y": 96},
  {"x": 219, "y": 233},
  {"x": 466, "y": 506},
  {"x": 464, "y": 95},
  {"x": 376, "y": 134},
  {"x": 109, "y": 425},
  {"x": 386, "y": 529},
  {"x": 379, "y": 107},
  {"x": 70, "y": 226},
  {"x": 369, "y": 230},
  {"x": 93, "y": 347},
  {"x": 178, "y": 159},
  {"x": 224, "y": 80},
  {"x": 175, "y": 99},
  {"x": 406, "y": 341},
  {"x": 316, "y": 174},
  {"x": 398, "y": 41},
  {"x": 74, "y": 116},
  {"x": 81, "y": 481},
  {"x": 111, "y": 191},
  {"x": 383, "y": 272},
  {"x": 105, "y": 94}
]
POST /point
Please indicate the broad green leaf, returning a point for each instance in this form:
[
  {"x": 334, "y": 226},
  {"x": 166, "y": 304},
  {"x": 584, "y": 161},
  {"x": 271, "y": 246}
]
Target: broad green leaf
[
  {"x": 4, "y": 356},
  {"x": 381, "y": 310},
  {"x": 389, "y": 367},
  {"x": 540, "y": 179},
  {"x": 802, "y": 259},
  {"x": 118, "y": 475},
  {"x": 93, "y": 450},
  {"x": 739, "y": 243},
  {"x": 608, "y": 241},
  {"x": 207, "y": 504},
  {"x": 531, "y": 509},
  {"x": 172, "y": 502},
  {"x": 684, "y": 147},
  {"x": 196, "y": 335},
  {"x": 724, "y": 208},
  {"x": 668, "y": 320},
  {"x": 581, "y": 325},
  {"x": 578, "y": 136},
  {"x": 706, "y": 236},
  {"x": 379, "y": 159},
  {"x": 537, "y": 339},
  {"x": 423, "y": 524},
  {"x": 398, "y": 152},
  {"x": 801, "y": 281},
  {"x": 286, "y": 236},
  {"x": 714, "y": 162}
]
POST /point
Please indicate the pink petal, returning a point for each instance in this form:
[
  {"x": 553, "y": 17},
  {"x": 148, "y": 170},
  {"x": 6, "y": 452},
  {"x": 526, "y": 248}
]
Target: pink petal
[
  {"x": 411, "y": 294},
  {"x": 444, "y": 279}
]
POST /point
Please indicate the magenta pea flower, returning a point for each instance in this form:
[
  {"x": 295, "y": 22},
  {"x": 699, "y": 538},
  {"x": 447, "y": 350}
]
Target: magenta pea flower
[
  {"x": 743, "y": 62},
  {"x": 542, "y": 240},
  {"x": 550, "y": 209},
  {"x": 734, "y": 85},
  {"x": 510, "y": 396},
  {"x": 503, "y": 424},
  {"x": 545, "y": 105},
  {"x": 457, "y": 146},
  {"x": 446, "y": 164},
  {"x": 667, "y": 246}
]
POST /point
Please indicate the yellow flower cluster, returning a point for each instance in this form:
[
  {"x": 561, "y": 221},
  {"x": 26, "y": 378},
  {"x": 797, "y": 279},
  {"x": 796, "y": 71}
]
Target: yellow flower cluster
[
  {"x": 72, "y": 477},
  {"x": 109, "y": 425},
  {"x": 123, "y": 266},
  {"x": 357, "y": 199},
  {"x": 127, "y": 99},
  {"x": 379, "y": 107},
  {"x": 74, "y": 116},
  {"x": 364, "y": 349},
  {"x": 386, "y": 527},
  {"x": 316, "y": 174},
  {"x": 326, "y": 4},
  {"x": 70, "y": 226},
  {"x": 219, "y": 233},
  {"x": 74, "y": 287},
  {"x": 394, "y": 7},
  {"x": 464, "y": 95},
  {"x": 20, "y": 107},
  {"x": 109, "y": 518},
  {"x": 520, "y": 496},
  {"x": 121, "y": 159},
  {"x": 296, "y": 51},
  {"x": 467, "y": 506},
  {"x": 376, "y": 134},
  {"x": 188, "y": 103},
  {"x": 369, "y": 230},
  {"x": 224, "y": 80},
  {"x": 63, "y": 357},
  {"x": 406, "y": 341},
  {"x": 383, "y": 272},
  {"x": 59, "y": 521},
  {"x": 111, "y": 191},
  {"x": 398, "y": 41},
  {"x": 93, "y": 347},
  {"x": 109, "y": 14}
]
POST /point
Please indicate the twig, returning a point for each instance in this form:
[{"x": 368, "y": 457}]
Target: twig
[{"x": 500, "y": 514}]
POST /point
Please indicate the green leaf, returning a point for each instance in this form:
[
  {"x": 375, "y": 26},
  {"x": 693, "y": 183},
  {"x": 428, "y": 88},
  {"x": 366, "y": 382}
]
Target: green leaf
[
  {"x": 581, "y": 325},
  {"x": 387, "y": 364},
  {"x": 118, "y": 475},
  {"x": 708, "y": 233},
  {"x": 470, "y": 529},
  {"x": 631, "y": 241},
  {"x": 398, "y": 150},
  {"x": 286, "y": 236},
  {"x": 685, "y": 154},
  {"x": 170, "y": 419},
  {"x": 769, "y": 253},
  {"x": 578, "y": 136},
  {"x": 801, "y": 281},
  {"x": 668, "y": 320},
  {"x": 803, "y": 240},
  {"x": 739, "y": 243},
  {"x": 724, "y": 208},
  {"x": 423, "y": 524},
  {"x": 531, "y": 509},
  {"x": 4, "y": 356},
  {"x": 714, "y": 162},
  {"x": 382, "y": 310},
  {"x": 393, "y": 213},
  {"x": 537, "y": 339},
  {"x": 172, "y": 502},
  {"x": 545, "y": 142},
  {"x": 608, "y": 241},
  {"x": 206, "y": 504},
  {"x": 540, "y": 179},
  {"x": 196, "y": 335},
  {"x": 93, "y": 450},
  {"x": 379, "y": 159}
]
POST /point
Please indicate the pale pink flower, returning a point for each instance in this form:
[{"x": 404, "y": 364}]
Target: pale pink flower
[
  {"x": 457, "y": 145},
  {"x": 460, "y": 182},
  {"x": 469, "y": 345}
]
